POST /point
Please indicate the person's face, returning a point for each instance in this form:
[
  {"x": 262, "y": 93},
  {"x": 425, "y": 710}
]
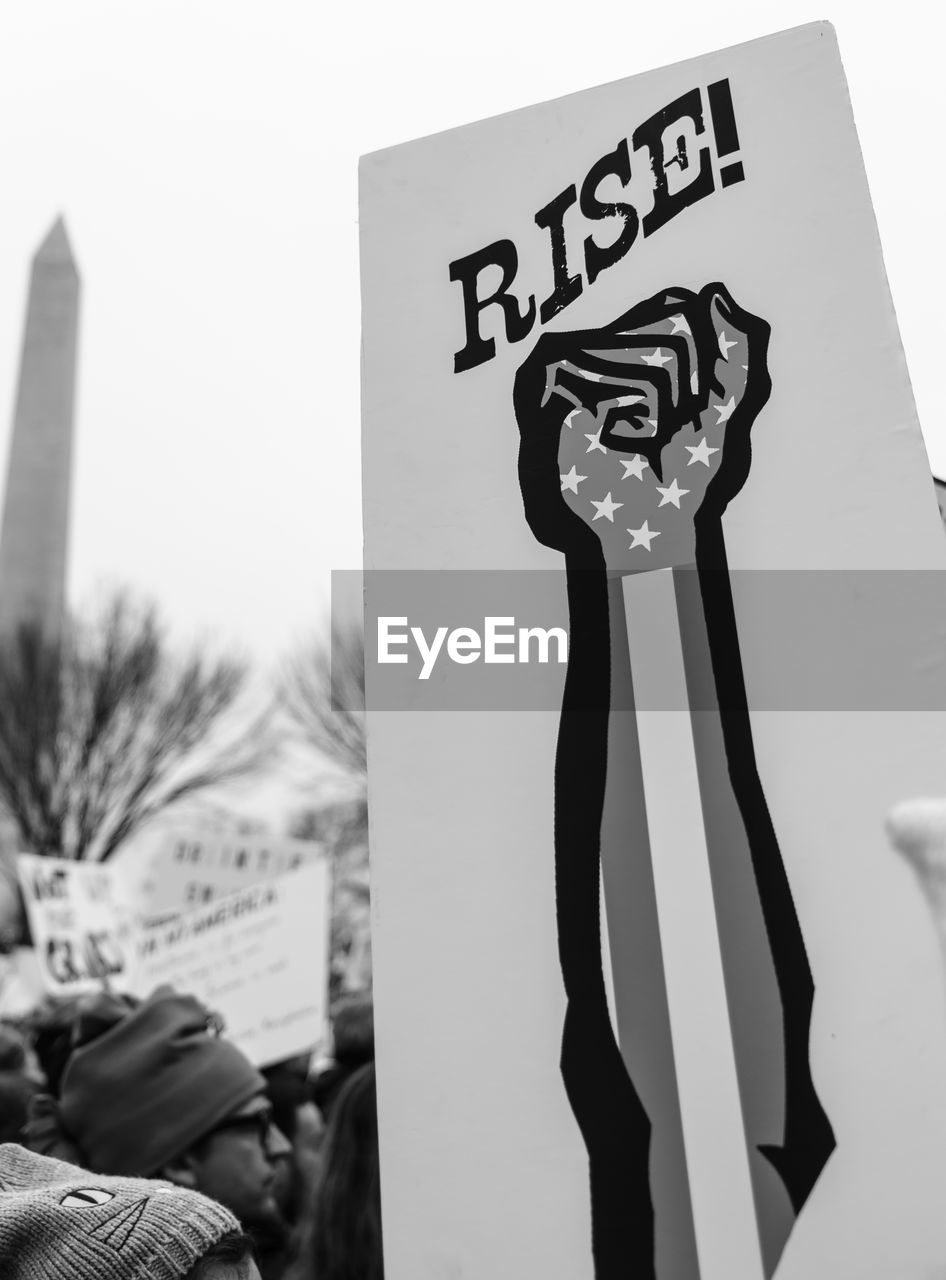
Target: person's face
[{"x": 236, "y": 1165}]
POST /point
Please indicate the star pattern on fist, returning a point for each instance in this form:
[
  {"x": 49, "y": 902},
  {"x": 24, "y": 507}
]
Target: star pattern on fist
[
  {"x": 725, "y": 345},
  {"x": 634, "y": 467},
  {"x": 725, "y": 411},
  {"x": 700, "y": 452},
  {"x": 606, "y": 507},
  {"x": 672, "y": 494},
  {"x": 644, "y": 403},
  {"x": 643, "y": 536},
  {"x": 657, "y": 358}
]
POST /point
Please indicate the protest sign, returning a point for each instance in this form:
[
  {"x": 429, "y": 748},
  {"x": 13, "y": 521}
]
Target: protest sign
[
  {"x": 257, "y": 956},
  {"x": 182, "y": 865},
  {"x": 575, "y": 316},
  {"x": 82, "y": 925}
]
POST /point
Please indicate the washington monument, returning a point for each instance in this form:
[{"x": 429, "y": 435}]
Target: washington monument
[{"x": 35, "y": 527}]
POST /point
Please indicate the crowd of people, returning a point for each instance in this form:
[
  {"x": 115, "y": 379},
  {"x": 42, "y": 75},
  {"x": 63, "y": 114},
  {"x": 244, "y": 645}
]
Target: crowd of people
[{"x": 133, "y": 1128}]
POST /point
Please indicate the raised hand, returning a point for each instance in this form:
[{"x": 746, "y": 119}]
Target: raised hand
[
  {"x": 634, "y": 438},
  {"x": 648, "y": 420}
]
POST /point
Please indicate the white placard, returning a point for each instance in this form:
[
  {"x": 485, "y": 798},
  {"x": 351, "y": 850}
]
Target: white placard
[
  {"x": 82, "y": 924},
  {"x": 258, "y": 957},
  {"x": 739, "y": 169},
  {"x": 190, "y": 867}
]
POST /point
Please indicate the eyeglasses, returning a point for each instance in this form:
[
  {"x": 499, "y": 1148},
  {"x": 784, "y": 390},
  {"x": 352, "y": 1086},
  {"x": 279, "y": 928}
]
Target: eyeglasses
[{"x": 258, "y": 1124}]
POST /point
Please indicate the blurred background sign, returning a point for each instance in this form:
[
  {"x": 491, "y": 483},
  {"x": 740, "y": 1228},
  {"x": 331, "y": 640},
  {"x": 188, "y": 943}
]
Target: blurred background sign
[{"x": 257, "y": 956}]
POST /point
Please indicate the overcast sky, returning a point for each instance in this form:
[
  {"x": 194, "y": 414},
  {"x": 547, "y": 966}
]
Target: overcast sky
[{"x": 204, "y": 153}]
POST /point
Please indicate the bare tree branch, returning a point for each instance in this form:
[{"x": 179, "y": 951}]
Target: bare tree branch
[
  {"x": 105, "y": 730},
  {"x": 323, "y": 693}
]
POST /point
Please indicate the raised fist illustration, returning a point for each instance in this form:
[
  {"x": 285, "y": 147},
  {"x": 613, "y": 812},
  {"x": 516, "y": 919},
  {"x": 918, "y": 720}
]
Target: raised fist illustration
[
  {"x": 641, "y": 429},
  {"x": 633, "y": 439}
]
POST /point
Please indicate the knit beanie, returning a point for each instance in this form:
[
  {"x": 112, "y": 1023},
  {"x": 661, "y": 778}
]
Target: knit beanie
[
  {"x": 155, "y": 1079},
  {"x": 58, "y": 1222}
]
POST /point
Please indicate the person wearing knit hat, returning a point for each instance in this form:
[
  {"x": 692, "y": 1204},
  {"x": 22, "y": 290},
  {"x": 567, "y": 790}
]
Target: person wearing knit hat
[
  {"x": 58, "y": 1222},
  {"x": 151, "y": 1089}
]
